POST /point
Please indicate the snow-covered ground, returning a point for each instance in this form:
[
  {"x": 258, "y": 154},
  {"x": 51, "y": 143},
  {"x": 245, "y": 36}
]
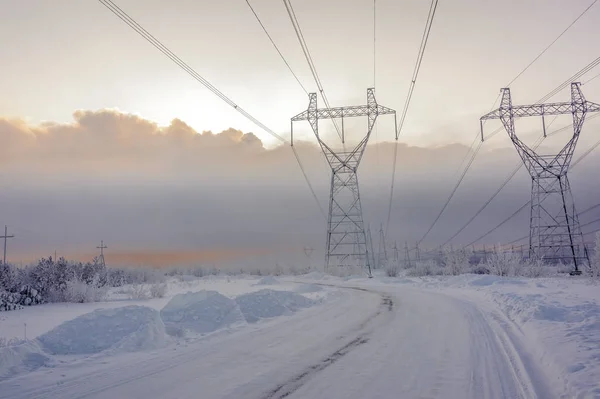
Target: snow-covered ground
[{"x": 315, "y": 336}]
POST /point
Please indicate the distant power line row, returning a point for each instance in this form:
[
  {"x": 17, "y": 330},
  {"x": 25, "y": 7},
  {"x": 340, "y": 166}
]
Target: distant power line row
[{"x": 474, "y": 153}]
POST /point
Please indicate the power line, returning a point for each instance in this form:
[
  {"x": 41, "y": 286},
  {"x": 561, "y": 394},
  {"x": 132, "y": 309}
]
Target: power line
[
  {"x": 173, "y": 57},
  {"x": 122, "y": 15},
  {"x": 589, "y": 80},
  {"x": 539, "y": 141},
  {"x": 417, "y": 68},
  {"x": 276, "y": 48},
  {"x": 309, "y": 185},
  {"x": 452, "y": 193},
  {"x": 421, "y": 54},
  {"x": 302, "y": 169},
  {"x": 556, "y": 90},
  {"x": 309, "y": 60},
  {"x": 529, "y": 202},
  {"x": 567, "y": 82},
  {"x": 551, "y": 44},
  {"x": 578, "y": 215}
]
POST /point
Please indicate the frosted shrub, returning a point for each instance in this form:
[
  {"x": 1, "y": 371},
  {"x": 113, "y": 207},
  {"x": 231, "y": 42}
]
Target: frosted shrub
[
  {"x": 456, "y": 262},
  {"x": 392, "y": 269},
  {"x": 504, "y": 263},
  {"x": 534, "y": 268},
  {"x": 6, "y": 342},
  {"x": 80, "y": 291},
  {"x": 138, "y": 291},
  {"x": 158, "y": 290},
  {"x": 425, "y": 268}
]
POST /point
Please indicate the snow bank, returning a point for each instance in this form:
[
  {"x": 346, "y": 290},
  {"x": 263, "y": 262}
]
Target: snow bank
[
  {"x": 269, "y": 303},
  {"x": 130, "y": 328},
  {"x": 268, "y": 280},
  {"x": 200, "y": 312},
  {"x": 559, "y": 318},
  {"x": 26, "y": 356}
]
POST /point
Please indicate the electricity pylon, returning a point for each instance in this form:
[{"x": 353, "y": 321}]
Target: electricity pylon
[
  {"x": 102, "y": 247},
  {"x": 346, "y": 241},
  {"x": 554, "y": 230}
]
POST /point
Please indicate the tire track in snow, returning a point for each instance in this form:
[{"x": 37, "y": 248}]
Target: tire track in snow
[{"x": 288, "y": 387}]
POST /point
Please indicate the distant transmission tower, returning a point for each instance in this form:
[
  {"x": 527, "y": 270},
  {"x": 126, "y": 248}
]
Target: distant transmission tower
[
  {"x": 346, "y": 241},
  {"x": 554, "y": 230},
  {"x": 5, "y": 236},
  {"x": 102, "y": 247}
]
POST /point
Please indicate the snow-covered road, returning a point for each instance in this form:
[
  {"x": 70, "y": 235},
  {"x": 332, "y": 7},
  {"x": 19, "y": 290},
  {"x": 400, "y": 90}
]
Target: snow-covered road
[{"x": 373, "y": 342}]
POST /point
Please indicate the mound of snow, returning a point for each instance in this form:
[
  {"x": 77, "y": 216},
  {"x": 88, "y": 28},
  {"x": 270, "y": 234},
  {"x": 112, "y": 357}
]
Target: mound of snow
[
  {"x": 200, "y": 312},
  {"x": 268, "y": 280},
  {"x": 308, "y": 288},
  {"x": 129, "y": 328},
  {"x": 269, "y": 303},
  {"x": 26, "y": 356}
]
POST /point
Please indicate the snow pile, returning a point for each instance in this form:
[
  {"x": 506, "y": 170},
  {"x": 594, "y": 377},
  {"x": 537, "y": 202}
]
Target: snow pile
[
  {"x": 268, "y": 280},
  {"x": 269, "y": 303},
  {"x": 130, "y": 328},
  {"x": 200, "y": 312},
  {"x": 25, "y": 356}
]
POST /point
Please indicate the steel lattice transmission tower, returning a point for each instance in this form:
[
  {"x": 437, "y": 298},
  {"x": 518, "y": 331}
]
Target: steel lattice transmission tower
[
  {"x": 346, "y": 241},
  {"x": 554, "y": 230}
]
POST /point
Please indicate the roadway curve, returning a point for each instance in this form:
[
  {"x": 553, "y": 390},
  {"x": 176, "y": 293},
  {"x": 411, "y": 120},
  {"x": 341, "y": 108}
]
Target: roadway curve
[{"x": 378, "y": 343}]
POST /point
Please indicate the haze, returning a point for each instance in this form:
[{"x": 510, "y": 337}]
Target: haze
[{"x": 103, "y": 138}]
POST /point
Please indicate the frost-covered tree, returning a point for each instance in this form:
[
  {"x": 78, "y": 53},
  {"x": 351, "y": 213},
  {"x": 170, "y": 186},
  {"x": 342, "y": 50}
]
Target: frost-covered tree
[
  {"x": 8, "y": 277},
  {"x": 596, "y": 259},
  {"x": 505, "y": 263},
  {"x": 456, "y": 261}
]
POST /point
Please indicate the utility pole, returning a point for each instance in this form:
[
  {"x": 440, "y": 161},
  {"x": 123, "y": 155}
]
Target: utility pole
[
  {"x": 381, "y": 248},
  {"x": 407, "y": 255},
  {"x": 554, "y": 229},
  {"x": 396, "y": 256},
  {"x": 370, "y": 262},
  {"x": 102, "y": 247},
  {"x": 5, "y": 236},
  {"x": 346, "y": 239}
]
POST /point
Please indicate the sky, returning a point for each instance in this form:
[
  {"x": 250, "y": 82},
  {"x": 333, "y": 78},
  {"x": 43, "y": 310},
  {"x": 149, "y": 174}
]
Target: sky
[{"x": 104, "y": 137}]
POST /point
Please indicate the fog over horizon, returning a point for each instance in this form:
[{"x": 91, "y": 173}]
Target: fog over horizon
[{"x": 167, "y": 195}]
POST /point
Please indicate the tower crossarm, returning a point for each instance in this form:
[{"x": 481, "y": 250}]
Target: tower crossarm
[
  {"x": 345, "y": 112},
  {"x": 519, "y": 111}
]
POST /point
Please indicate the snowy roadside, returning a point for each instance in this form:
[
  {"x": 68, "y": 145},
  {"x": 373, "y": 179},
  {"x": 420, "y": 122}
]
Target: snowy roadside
[
  {"x": 51, "y": 335},
  {"x": 557, "y": 318}
]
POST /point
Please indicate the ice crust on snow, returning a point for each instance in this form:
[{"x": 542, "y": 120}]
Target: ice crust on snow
[
  {"x": 309, "y": 288},
  {"x": 268, "y": 280},
  {"x": 200, "y": 312},
  {"x": 270, "y": 303},
  {"x": 129, "y": 328}
]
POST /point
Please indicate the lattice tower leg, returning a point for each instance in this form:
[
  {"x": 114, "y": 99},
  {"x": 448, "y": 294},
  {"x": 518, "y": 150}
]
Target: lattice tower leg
[
  {"x": 346, "y": 236},
  {"x": 555, "y": 232}
]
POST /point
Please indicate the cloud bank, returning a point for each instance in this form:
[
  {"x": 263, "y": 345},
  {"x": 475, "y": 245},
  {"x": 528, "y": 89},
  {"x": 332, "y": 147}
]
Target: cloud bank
[{"x": 155, "y": 193}]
